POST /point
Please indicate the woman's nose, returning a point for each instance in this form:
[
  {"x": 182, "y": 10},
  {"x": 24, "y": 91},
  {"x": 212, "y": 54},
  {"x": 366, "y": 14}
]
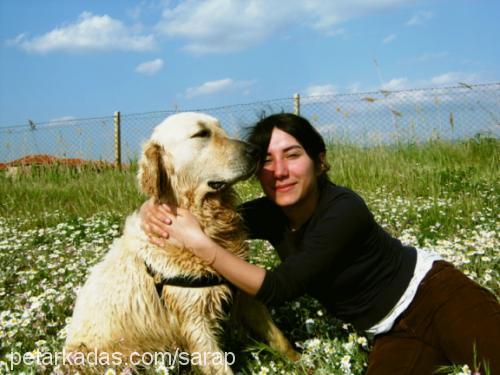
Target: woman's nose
[{"x": 280, "y": 168}]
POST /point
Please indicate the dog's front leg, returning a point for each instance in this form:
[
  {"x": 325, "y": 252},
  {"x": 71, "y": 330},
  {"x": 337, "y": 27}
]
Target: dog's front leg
[
  {"x": 204, "y": 348},
  {"x": 256, "y": 317}
]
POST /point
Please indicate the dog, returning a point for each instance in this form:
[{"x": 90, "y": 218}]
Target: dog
[{"x": 142, "y": 298}]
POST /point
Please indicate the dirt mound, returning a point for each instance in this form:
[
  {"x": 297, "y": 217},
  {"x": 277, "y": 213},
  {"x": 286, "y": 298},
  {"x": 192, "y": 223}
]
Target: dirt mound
[{"x": 42, "y": 160}]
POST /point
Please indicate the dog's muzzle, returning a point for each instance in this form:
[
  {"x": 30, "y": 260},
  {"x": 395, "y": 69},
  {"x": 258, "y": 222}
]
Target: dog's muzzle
[{"x": 217, "y": 185}]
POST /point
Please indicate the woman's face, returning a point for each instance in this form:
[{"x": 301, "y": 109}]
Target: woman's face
[{"x": 288, "y": 176}]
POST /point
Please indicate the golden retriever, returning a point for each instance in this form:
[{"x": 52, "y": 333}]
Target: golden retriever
[{"x": 142, "y": 298}]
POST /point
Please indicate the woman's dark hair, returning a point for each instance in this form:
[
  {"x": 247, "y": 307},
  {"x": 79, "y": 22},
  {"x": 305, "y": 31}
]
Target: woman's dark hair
[{"x": 298, "y": 127}]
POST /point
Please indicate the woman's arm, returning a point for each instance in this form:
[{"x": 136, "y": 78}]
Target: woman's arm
[
  {"x": 182, "y": 229},
  {"x": 245, "y": 276}
]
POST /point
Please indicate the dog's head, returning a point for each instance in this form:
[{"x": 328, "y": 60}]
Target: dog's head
[{"x": 190, "y": 152}]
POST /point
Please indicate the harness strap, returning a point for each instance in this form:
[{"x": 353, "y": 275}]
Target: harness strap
[{"x": 184, "y": 281}]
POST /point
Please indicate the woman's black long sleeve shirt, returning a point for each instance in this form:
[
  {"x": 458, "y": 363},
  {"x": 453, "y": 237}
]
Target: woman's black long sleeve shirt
[{"x": 340, "y": 256}]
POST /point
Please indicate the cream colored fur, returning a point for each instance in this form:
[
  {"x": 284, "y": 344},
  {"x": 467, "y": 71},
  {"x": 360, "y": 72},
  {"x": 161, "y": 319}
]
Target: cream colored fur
[{"x": 118, "y": 309}]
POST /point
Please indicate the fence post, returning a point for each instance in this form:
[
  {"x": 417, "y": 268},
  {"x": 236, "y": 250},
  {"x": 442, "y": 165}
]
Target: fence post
[
  {"x": 296, "y": 104},
  {"x": 118, "y": 148}
]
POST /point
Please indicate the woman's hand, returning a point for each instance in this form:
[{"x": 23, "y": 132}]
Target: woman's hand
[
  {"x": 155, "y": 220},
  {"x": 177, "y": 226},
  {"x": 164, "y": 224},
  {"x": 185, "y": 231}
]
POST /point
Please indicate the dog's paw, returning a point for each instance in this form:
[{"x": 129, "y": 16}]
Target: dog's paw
[{"x": 292, "y": 355}]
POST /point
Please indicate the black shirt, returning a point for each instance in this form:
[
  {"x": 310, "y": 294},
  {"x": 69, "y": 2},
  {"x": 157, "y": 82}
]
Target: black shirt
[{"x": 340, "y": 256}]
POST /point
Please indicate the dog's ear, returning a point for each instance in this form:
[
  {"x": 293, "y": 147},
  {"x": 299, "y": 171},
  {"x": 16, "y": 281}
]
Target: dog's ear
[{"x": 153, "y": 176}]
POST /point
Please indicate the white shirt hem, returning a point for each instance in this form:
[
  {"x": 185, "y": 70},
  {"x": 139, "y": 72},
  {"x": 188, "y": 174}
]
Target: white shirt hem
[{"x": 425, "y": 259}]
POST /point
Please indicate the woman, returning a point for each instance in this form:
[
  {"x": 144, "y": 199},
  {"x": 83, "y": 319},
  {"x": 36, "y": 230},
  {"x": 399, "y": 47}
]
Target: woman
[{"x": 421, "y": 310}]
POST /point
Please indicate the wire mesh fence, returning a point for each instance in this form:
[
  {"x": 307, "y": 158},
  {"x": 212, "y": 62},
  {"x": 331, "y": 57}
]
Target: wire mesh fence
[{"x": 367, "y": 119}]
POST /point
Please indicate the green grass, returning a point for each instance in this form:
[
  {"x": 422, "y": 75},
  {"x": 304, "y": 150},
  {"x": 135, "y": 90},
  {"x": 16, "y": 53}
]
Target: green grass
[
  {"x": 68, "y": 193},
  {"x": 436, "y": 169},
  {"x": 418, "y": 170},
  {"x": 465, "y": 173},
  {"x": 55, "y": 223}
]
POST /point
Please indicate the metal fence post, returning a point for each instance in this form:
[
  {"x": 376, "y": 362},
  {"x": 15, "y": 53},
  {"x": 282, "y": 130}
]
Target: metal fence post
[
  {"x": 296, "y": 104},
  {"x": 118, "y": 148}
]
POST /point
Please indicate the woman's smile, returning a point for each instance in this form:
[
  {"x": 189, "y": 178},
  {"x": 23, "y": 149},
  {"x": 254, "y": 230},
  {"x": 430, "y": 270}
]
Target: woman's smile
[{"x": 284, "y": 187}]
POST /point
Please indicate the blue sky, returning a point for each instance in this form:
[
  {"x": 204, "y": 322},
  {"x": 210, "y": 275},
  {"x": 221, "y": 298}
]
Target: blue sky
[{"x": 73, "y": 59}]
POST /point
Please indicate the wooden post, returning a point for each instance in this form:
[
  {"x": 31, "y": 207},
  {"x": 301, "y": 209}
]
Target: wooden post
[
  {"x": 296, "y": 104},
  {"x": 118, "y": 148}
]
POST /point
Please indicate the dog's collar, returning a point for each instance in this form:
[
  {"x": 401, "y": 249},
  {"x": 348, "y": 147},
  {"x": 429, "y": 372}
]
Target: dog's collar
[{"x": 184, "y": 281}]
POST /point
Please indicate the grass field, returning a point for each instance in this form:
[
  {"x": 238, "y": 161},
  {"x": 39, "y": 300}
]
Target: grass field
[{"x": 55, "y": 223}]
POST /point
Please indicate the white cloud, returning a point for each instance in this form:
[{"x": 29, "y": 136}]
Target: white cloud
[
  {"x": 441, "y": 80},
  {"x": 323, "y": 15},
  {"x": 89, "y": 33},
  {"x": 403, "y": 83},
  {"x": 354, "y": 88},
  {"x": 319, "y": 93},
  {"x": 63, "y": 119},
  {"x": 395, "y": 84},
  {"x": 60, "y": 121},
  {"x": 321, "y": 90},
  {"x": 215, "y": 26},
  {"x": 453, "y": 78},
  {"x": 419, "y": 18},
  {"x": 218, "y": 26},
  {"x": 206, "y": 26},
  {"x": 439, "y": 83},
  {"x": 217, "y": 87},
  {"x": 150, "y": 68},
  {"x": 389, "y": 38},
  {"x": 335, "y": 32}
]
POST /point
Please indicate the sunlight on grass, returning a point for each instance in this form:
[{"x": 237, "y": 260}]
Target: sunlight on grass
[{"x": 56, "y": 223}]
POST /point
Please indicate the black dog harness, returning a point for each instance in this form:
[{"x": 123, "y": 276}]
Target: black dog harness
[{"x": 184, "y": 281}]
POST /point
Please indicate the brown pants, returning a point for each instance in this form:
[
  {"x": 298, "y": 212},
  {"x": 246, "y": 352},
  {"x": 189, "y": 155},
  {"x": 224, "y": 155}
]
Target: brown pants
[{"x": 449, "y": 315}]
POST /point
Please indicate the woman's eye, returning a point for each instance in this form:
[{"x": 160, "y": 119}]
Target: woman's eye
[
  {"x": 204, "y": 133},
  {"x": 293, "y": 156}
]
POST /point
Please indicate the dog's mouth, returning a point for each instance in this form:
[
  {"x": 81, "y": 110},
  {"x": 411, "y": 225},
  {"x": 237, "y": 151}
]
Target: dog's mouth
[{"x": 217, "y": 185}]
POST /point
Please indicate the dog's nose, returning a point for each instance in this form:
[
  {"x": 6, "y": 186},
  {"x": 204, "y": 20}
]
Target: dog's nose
[{"x": 252, "y": 151}]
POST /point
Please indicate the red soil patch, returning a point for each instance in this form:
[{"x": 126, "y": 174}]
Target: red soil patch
[{"x": 52, "y": 160}]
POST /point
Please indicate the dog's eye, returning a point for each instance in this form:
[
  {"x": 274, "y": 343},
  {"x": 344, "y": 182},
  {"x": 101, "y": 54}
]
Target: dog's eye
[{"x": 203, "y": 133}]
